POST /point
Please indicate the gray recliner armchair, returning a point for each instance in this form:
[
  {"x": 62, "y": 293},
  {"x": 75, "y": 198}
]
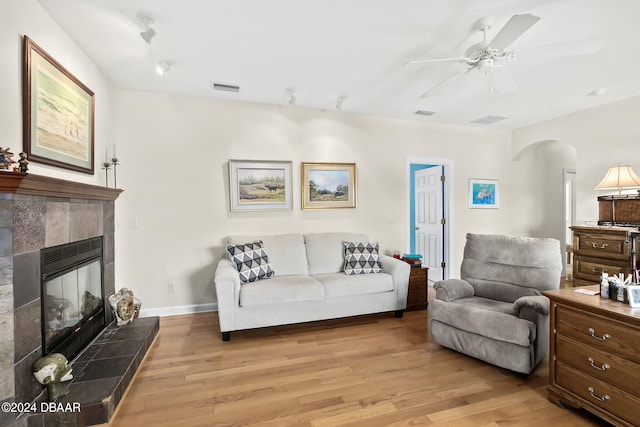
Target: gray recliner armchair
[{"x": 496, "y": 312}]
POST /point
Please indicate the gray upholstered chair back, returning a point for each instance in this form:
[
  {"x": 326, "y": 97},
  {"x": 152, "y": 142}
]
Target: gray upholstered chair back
[{"x": 505, "y": 268}]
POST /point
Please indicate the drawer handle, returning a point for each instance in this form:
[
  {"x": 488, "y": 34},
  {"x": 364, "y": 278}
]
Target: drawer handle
[
  {"x": 604, "y": 366},
  {"x": 603, "y": 338},
  {"x": 600, "y": 246},
  {"x": 601, "y": 399},
  {"x": 604, "y": 270}
]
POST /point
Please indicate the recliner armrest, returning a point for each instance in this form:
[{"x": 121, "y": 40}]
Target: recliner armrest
[
  {"x": 539, "y": 303},
  {"x": 453, "y": 289}
]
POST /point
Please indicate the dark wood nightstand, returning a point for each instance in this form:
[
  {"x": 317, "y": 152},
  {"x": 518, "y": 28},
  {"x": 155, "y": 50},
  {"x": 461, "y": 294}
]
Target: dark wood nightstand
[{"x": 417, "y": 294}]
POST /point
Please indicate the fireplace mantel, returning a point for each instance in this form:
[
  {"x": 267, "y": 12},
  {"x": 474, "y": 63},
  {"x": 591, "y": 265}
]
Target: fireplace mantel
[{"x": 38, "y": 185}]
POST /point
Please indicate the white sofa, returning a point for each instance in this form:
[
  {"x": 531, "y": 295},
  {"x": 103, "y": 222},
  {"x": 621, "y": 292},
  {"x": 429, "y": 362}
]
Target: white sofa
[{"x": 309, "y": 284}]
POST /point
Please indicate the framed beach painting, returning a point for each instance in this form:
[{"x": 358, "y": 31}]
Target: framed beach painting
[
  {"x": 483, "y": 194},
  {"x": 58, "y": 113},
  {"x": 328, "y": 185},
  {"x": 260, "y": 185}
]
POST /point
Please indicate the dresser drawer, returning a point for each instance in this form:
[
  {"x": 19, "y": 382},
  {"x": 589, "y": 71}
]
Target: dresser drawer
[
  {"x": 601, "y": 245},
  {"x": 620, "y": 403},
  {"x": 613, "y": 370},
  {"x": 418, "y": 273},
  {"x": 599, "y": 332},
  {"x": 591, "y": 269}
]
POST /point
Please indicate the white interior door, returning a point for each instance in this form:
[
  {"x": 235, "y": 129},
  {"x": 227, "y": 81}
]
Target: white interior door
[{"x": 428, "y": 219}]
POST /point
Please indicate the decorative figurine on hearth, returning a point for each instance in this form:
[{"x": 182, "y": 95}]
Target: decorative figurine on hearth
[
  {"x": 123, "y": 306},
  {"x": 23, "y": 163},
  {"x": 50, "y": 371}
]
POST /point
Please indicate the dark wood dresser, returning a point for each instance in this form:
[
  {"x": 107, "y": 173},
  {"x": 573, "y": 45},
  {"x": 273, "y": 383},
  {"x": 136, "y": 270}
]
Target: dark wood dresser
[
  {"x": 594, "y": 355},
  {"x": 598, "y": 249},
  {"x": 417, "y": 293}
]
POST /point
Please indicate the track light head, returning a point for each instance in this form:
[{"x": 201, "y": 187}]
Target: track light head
[
  {"x": 148, "y": 35},
  {"x": 147, "y": 21},
  {"x": 292, "y": 96},
  {"x": 163, "y": 67}
]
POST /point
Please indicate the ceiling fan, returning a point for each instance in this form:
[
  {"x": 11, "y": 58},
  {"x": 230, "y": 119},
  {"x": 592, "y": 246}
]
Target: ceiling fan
[{"x": 486, "y": 55}]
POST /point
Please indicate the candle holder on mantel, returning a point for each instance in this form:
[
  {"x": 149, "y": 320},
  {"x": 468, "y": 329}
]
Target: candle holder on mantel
[
  {"x": 115, "y": 162},
  {"x": 107, "y": 167}
]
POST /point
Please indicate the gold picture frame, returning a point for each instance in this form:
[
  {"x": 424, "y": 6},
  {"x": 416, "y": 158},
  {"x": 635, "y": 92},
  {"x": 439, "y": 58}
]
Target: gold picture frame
[
  {"x": 58, "y": 113},
  {"x": 328, "y": 185}
]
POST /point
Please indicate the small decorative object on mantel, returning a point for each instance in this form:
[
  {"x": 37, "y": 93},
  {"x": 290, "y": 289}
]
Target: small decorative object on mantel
[
  {"x": 51, "y": 370},
  {"x": 125, "y": 307},
  {"x": 6, "y": 159},
  {"x": 107, "y": 167},
  {"x": 115, "y": 162},
  {"x": 23, "y": 163}
]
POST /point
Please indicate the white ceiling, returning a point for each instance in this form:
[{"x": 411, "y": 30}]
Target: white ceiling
[{"x": 359, "y": 49}]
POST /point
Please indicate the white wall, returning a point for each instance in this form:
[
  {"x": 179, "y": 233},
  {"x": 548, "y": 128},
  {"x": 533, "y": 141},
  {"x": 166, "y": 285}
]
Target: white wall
[
  {"x": 174, "y": 152},
  {"x": 602, "y": 136},
  {"x": 26, "y": 17}
]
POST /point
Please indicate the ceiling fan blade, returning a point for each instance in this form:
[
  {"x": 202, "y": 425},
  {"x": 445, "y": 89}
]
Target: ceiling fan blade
[
  {"x": 555, "y": 50},
  {"x": 422, "y": 61},
  {"x": 430, "y": 91},
  {"x": 513, "y": 29}
]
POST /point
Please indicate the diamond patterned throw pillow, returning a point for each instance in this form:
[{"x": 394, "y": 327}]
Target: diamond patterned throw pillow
[
  {"x": 251, "y": 260},
  {"x": 362, "y": 258}
]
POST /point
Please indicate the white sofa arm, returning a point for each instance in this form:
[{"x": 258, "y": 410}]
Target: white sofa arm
[
  {"x": 227, "y": 282},
  {"x": 399, "y": 271}
]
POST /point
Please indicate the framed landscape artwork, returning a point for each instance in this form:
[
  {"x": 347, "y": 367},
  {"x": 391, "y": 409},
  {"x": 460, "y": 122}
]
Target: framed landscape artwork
[
  {"x": 328, "y": 185},
  {"x": 58, "y": 113},
  {"x": 260, "y": 185},
  {"x": 483, "y": 194}
]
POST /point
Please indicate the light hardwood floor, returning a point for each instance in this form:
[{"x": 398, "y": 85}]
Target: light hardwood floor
[{"x": 366, "y": 371}]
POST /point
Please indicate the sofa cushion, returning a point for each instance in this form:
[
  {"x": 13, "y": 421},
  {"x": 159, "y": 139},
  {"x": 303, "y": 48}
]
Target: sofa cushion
[
  {"x": 325, "y": 251},
  {"x": 361, "y": 258},
  {"x": 339, "y": 284},
  {"x": 251, "y": 260},
  {"x": 280, "y": 289},
  {"x": 287, "y": 254}
]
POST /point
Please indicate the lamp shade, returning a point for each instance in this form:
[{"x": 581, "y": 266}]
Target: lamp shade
[{"x": 620, "y": 177}]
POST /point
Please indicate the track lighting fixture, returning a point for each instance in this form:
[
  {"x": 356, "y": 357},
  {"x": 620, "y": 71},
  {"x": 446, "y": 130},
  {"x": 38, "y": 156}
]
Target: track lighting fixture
[
  {"x": 163, "y": 67},
  {"x": 147, "y": 21},
  {"x": 292, "y": 96},
  {"x": 339, "y": 102}
]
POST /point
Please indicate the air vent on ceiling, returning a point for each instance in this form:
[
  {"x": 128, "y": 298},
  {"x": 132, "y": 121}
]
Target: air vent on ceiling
[
  {"x": 487, "y": 120},
  {"x": 226, "y": 88},
  {"x": 425, "y": 113}
]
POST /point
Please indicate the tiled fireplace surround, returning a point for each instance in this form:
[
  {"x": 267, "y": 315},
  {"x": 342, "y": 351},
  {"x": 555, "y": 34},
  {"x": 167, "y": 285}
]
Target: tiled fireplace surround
[{"x": 38, "y": 212}]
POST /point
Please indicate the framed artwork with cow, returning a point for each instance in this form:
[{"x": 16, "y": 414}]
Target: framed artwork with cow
[
  {"x": 328, "y": 185},
  {"x": 260, "y": 185}
]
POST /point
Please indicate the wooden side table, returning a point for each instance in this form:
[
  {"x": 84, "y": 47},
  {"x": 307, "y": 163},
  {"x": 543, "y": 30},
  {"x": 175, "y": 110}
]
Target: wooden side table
[{"x": 417, "y": 294}]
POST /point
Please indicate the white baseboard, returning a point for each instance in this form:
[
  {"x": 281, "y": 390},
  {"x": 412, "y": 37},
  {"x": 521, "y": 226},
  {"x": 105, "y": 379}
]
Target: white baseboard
[{"x": 176, "y": 311}]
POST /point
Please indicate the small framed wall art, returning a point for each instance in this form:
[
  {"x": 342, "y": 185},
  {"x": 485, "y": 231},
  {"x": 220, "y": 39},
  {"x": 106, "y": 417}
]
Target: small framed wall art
[
  {"x": 257, "y": 185},
  {"x": 484, "y": 194},
  {"x": 58, "y": 113},
  {"x": 328, "y": 185}
]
